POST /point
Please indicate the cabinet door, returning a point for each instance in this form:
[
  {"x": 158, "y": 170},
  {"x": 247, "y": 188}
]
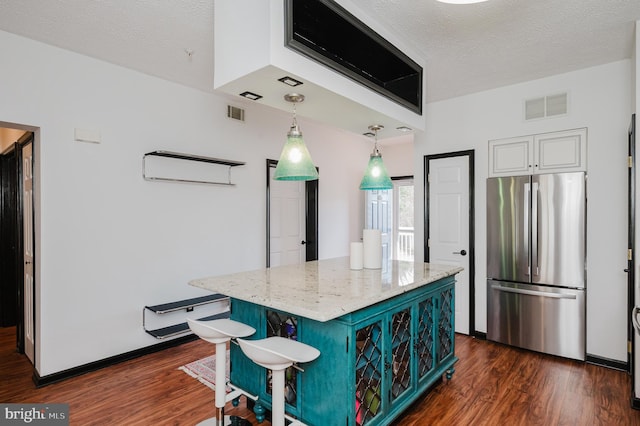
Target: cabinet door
[
  {"x": 283, "y": 325},
  {"x": 510, "y": 157},
  {"x": 369, "y": 372},
  {"x": 446, "y": 325},
  {"x": 425, "y": 338},
  {"x": 561, "y": 151},
  {"x": 399, "y": 367}
]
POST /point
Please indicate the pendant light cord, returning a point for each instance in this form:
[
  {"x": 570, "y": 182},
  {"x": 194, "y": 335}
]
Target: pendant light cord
[{"x": 376, "y": 152}]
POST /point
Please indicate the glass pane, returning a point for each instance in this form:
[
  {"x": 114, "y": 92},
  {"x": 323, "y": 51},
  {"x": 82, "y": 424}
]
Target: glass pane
[
  {"x": 368, "y": 373},
  {"x": 445, "y": 324},
  {"x": 284, "y": 326},
  {"x": 424, "y": 338},
  {"x": 404, "y": 225},
  {"x": 401, "y": 352},
  {"x": 379, "y": 208}
]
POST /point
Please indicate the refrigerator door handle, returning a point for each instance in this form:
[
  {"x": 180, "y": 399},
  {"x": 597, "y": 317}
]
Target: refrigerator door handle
[
  {"x": 533, "y": 292},
  {"x": 534, "y": 230},
  {"x": 634, "y": 318},
  {"x": 527, "y": 198}
]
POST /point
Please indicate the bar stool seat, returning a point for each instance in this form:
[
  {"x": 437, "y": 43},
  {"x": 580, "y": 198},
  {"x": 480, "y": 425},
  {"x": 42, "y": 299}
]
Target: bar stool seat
[
  {"x": 219, "y": 332},
  {"x": 278, "y": 353}
]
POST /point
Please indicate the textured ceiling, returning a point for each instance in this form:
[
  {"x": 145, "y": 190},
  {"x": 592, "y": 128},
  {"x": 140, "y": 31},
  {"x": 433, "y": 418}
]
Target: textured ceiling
[{"x": 467, "y": 48}]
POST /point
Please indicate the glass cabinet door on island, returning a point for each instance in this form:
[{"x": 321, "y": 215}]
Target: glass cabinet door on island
[
  {"x": 398, "y": 355},
  {"x": 373, "y": 363},
  {"x": 369, "y": 372},
  {"x": 283, "y": 325},
  {"x": 402, "y": 354},
  {"x": 446, "y": 327}
]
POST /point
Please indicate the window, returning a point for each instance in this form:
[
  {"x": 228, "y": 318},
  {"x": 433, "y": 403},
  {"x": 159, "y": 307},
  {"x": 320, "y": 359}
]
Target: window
[
  {"x": 403, "y": 230},
  {"x": 391, "y": 211}
]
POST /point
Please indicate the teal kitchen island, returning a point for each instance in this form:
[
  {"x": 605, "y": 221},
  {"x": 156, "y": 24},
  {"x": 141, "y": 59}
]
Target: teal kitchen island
[{"x": 385, "y": 335}]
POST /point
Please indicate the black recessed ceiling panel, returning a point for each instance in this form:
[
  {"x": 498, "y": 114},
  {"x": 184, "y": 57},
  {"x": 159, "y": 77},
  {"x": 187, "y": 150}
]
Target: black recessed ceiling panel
[{"x": 327, "y": 33}]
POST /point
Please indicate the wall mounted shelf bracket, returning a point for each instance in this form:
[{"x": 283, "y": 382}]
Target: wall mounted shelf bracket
[{"x": 189, "y": 157}]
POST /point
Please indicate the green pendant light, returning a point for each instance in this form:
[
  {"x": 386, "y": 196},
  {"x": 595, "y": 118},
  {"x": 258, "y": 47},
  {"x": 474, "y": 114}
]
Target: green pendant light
[
  {"x": 376, "y": 176},
  {"x": 295, "y": 161}
]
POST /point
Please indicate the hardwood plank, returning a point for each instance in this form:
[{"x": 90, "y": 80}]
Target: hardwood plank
[{"x": 493, "y": 385}]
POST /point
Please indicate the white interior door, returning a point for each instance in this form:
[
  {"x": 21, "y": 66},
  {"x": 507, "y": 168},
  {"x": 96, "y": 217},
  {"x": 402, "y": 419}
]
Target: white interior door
[
  {"x": 27, "y": 172},
  {"x": 449, "y": 225},
  {"x": 379, "y": 215},
  {"x": 286, "y": 222}
]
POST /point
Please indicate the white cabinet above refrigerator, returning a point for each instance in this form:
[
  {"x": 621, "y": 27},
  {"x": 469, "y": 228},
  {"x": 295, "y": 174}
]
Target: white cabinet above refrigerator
[{"x": 554, "y": 152}]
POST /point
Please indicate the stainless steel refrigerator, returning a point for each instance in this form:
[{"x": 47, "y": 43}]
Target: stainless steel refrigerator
[{"x": 536, "y": 262}]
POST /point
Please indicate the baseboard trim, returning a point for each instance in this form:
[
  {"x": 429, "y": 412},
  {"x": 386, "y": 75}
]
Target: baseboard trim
[
  {"x": 41, "y": 381},
  {"x": 606, "y": 362},
  {"x": 635, "y": 403}
]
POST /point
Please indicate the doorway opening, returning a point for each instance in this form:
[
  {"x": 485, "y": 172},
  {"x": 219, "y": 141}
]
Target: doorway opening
[
  {"x": 17, "y": 237},
  {"x": 391, "y": 211},
  {"x": 292, "y": 220}
]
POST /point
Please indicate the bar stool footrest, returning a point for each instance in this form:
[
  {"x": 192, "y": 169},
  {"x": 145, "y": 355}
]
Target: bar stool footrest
[
  {"x": 294, "y": 422},
  {"x": 237, "y": 391}
]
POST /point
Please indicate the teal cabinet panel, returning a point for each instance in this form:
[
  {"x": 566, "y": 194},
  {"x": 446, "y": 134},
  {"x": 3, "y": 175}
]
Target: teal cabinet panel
[
  {"x": 446, "y": 324},
  {"x": 327, "y": 380},
  {"x": 373, "y": 363},
  {"x": 245, "y": 373}
]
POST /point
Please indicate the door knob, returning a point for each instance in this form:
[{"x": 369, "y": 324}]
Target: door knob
[
  {"x": 461, "y": 252},
  {"x": 303, "y": 242},
  {"x": 634, "y": 318}
]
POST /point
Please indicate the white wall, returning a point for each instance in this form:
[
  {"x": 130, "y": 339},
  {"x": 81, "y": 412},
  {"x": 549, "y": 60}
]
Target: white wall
[
  {"x": 398, "y": 157},
  {"x": 600, "y": 99},
  {"x": 110, "y": 242}
]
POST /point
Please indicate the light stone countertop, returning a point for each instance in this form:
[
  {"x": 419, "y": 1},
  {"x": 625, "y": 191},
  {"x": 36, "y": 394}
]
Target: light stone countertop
[{"x": 326, "y": 289}]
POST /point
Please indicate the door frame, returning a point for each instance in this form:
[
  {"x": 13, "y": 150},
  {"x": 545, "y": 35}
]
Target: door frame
[
  {"x": 28, "y": 139},
  {"x": 311, "y": 203},
  {"x": 631, "y": 236},
  {"x": 18, "y": 260},
  {"x": 472, "y": 250}
]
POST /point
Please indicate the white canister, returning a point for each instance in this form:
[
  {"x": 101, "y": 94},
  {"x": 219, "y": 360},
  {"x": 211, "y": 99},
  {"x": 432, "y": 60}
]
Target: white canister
[
  {"x": 357, "y": 255},
  {"x": 372, "y": 246}
]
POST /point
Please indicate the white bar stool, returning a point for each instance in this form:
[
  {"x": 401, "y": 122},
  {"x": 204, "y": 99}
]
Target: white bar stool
[
  {"x": 220, "y": 332},
  {"x": 277, "y": 353}
]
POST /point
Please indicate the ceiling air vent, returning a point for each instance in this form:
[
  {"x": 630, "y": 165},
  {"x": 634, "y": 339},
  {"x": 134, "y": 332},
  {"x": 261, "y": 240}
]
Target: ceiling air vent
[
  {"x": 235, "y": 113},
  {"x": 547, "y": 106}
]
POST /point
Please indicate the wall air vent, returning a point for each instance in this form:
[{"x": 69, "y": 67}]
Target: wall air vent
[
  {"x": 235, "y": 113},
  {"x": 556, "y": 104},
  {"x": 534, "y": 108},
  {"x": 547, "y": 106}
]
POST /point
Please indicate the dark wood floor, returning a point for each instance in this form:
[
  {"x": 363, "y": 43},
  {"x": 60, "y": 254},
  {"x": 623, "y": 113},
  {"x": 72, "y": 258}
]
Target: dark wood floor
[{"x": 493, "y": 385}]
